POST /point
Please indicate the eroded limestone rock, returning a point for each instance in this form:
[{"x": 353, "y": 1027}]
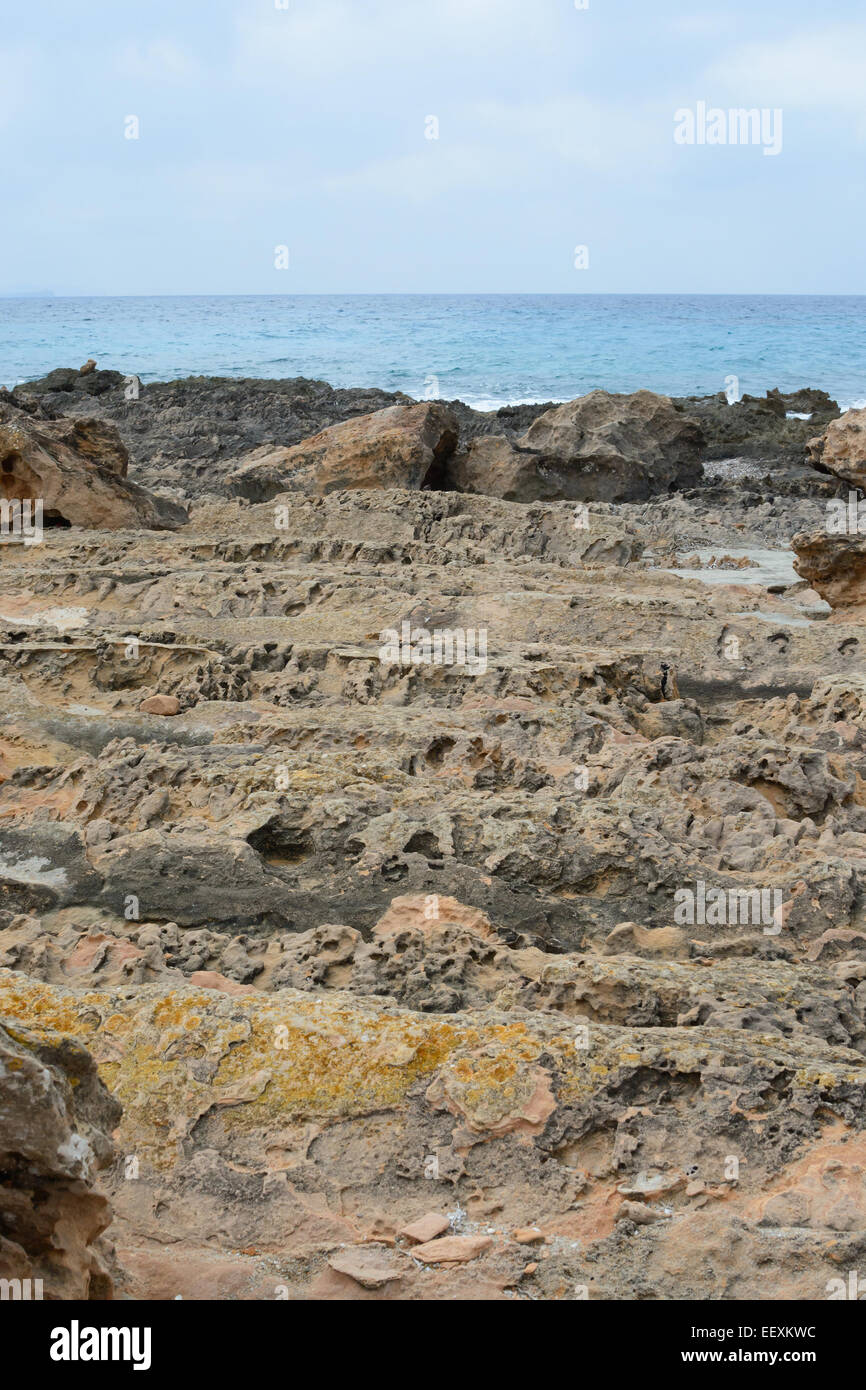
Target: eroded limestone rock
[
  {"x": 56, "y": 1118},
  {"x": 77, "y": 468}
]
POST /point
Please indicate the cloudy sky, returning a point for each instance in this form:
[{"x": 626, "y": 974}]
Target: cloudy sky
[{"x": 306, "y": 126}]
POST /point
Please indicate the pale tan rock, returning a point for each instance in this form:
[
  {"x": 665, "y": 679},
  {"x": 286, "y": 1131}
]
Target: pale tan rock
[
  {"x": 426, "y": 1228},
  {"x": 600, "y": 447},
  {"x": 841, "y": 449},
  {"x": 834, "y": 565},
  {"x": 667, "y": 942},
  {"x": 292, "y": 1088},
  {"x": 470, "y": 1087},
  {"x": 652, "y": 1185},
  {"x": 163, "y": 1275},
  {"x": 98, "y": 950},
  {"x": 160, "y": 704},
  {"x": 496, "y": 467},
  {"x": 77, "y": 468},
  {"x": 417, "y": 912},
  {"x": 371, "y": 1266},
  {"x": 639, "y": 1214},
  {"x": 311, "y": 788},
  {"x": 401, "y": 446},
  {"x": 825, "y": 1190},
  {"x": 452, "y": 1248},
  {"x": 835, "y": 942},
  {"x": 211, "y": 979}
]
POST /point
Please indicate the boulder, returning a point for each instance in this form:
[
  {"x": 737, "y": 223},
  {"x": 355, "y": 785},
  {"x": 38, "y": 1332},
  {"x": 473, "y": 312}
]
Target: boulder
[
  {"x": 77, "y": 467},
  {"x": 494, "y": 465},
  {"x": 835, "y": 566},
  {"x": 403, "y": 446},
  {"x": 841, "y": 449},
  {"x": 600, "y": 447},
  {"x": 55, "y": 1118}
]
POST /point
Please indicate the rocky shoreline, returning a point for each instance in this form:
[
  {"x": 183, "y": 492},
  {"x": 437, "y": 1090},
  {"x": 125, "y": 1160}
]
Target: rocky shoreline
[
  {"x": 183, "y": 433},
  {"x": 348, "y": 975}
]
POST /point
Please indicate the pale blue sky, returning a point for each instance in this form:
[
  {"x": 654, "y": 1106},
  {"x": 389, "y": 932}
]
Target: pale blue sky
[{"x": 305, "y": 126}]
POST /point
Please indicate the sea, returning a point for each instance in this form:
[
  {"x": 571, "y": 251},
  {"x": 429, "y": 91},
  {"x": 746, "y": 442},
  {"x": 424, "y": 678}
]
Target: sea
[{"x": 487, "y": 350}]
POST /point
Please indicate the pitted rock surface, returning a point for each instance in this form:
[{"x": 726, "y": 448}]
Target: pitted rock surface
[{"x": 553, "y": 953}]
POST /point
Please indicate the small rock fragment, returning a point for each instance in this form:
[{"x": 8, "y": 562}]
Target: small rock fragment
[
  {"x": 528, "y": 1235},
  {"x": 371, "y": 1266},
  {"x": 456, "y": 1248},
  {"x": 160, "y": 704},
  {"x": 426, "y": 1228},
  {"x": 639, "y": 1214}
]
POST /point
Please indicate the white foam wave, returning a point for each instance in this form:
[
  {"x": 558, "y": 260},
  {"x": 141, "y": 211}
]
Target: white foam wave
[{"x": 490, "y": 403}]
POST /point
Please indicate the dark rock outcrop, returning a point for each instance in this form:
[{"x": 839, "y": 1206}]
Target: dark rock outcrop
[
  {"x": 757, "y": 427},
  {"x": 66, "y": 381}
]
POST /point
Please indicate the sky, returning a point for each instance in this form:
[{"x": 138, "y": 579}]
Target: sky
[{"x": 283, "y": 146}]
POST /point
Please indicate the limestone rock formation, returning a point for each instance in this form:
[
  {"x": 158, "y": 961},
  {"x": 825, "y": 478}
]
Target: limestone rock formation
[
  {"x": 841, "y": 449},
  {"x": 835, "y": 566},
  {"x": 56, "y": 1116},
  {"x": 77, "y": 467},
  {"x": 534, "y": 971},
  {"x": 311, "y": 1129},
  {"x": 604, "y": 433},
  {"x": 499, "y": 467}
]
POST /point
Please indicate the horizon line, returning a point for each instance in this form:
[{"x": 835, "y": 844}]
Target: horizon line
[{"x": 449, "y": 294}]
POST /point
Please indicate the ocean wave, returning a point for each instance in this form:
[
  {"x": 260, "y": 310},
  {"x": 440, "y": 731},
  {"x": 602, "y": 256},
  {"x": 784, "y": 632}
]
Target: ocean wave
[{"x": 491, "y": 403}]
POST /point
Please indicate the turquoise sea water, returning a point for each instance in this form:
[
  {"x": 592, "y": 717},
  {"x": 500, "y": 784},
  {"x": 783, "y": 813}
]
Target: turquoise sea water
[{"x": 487, "y": 350}]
